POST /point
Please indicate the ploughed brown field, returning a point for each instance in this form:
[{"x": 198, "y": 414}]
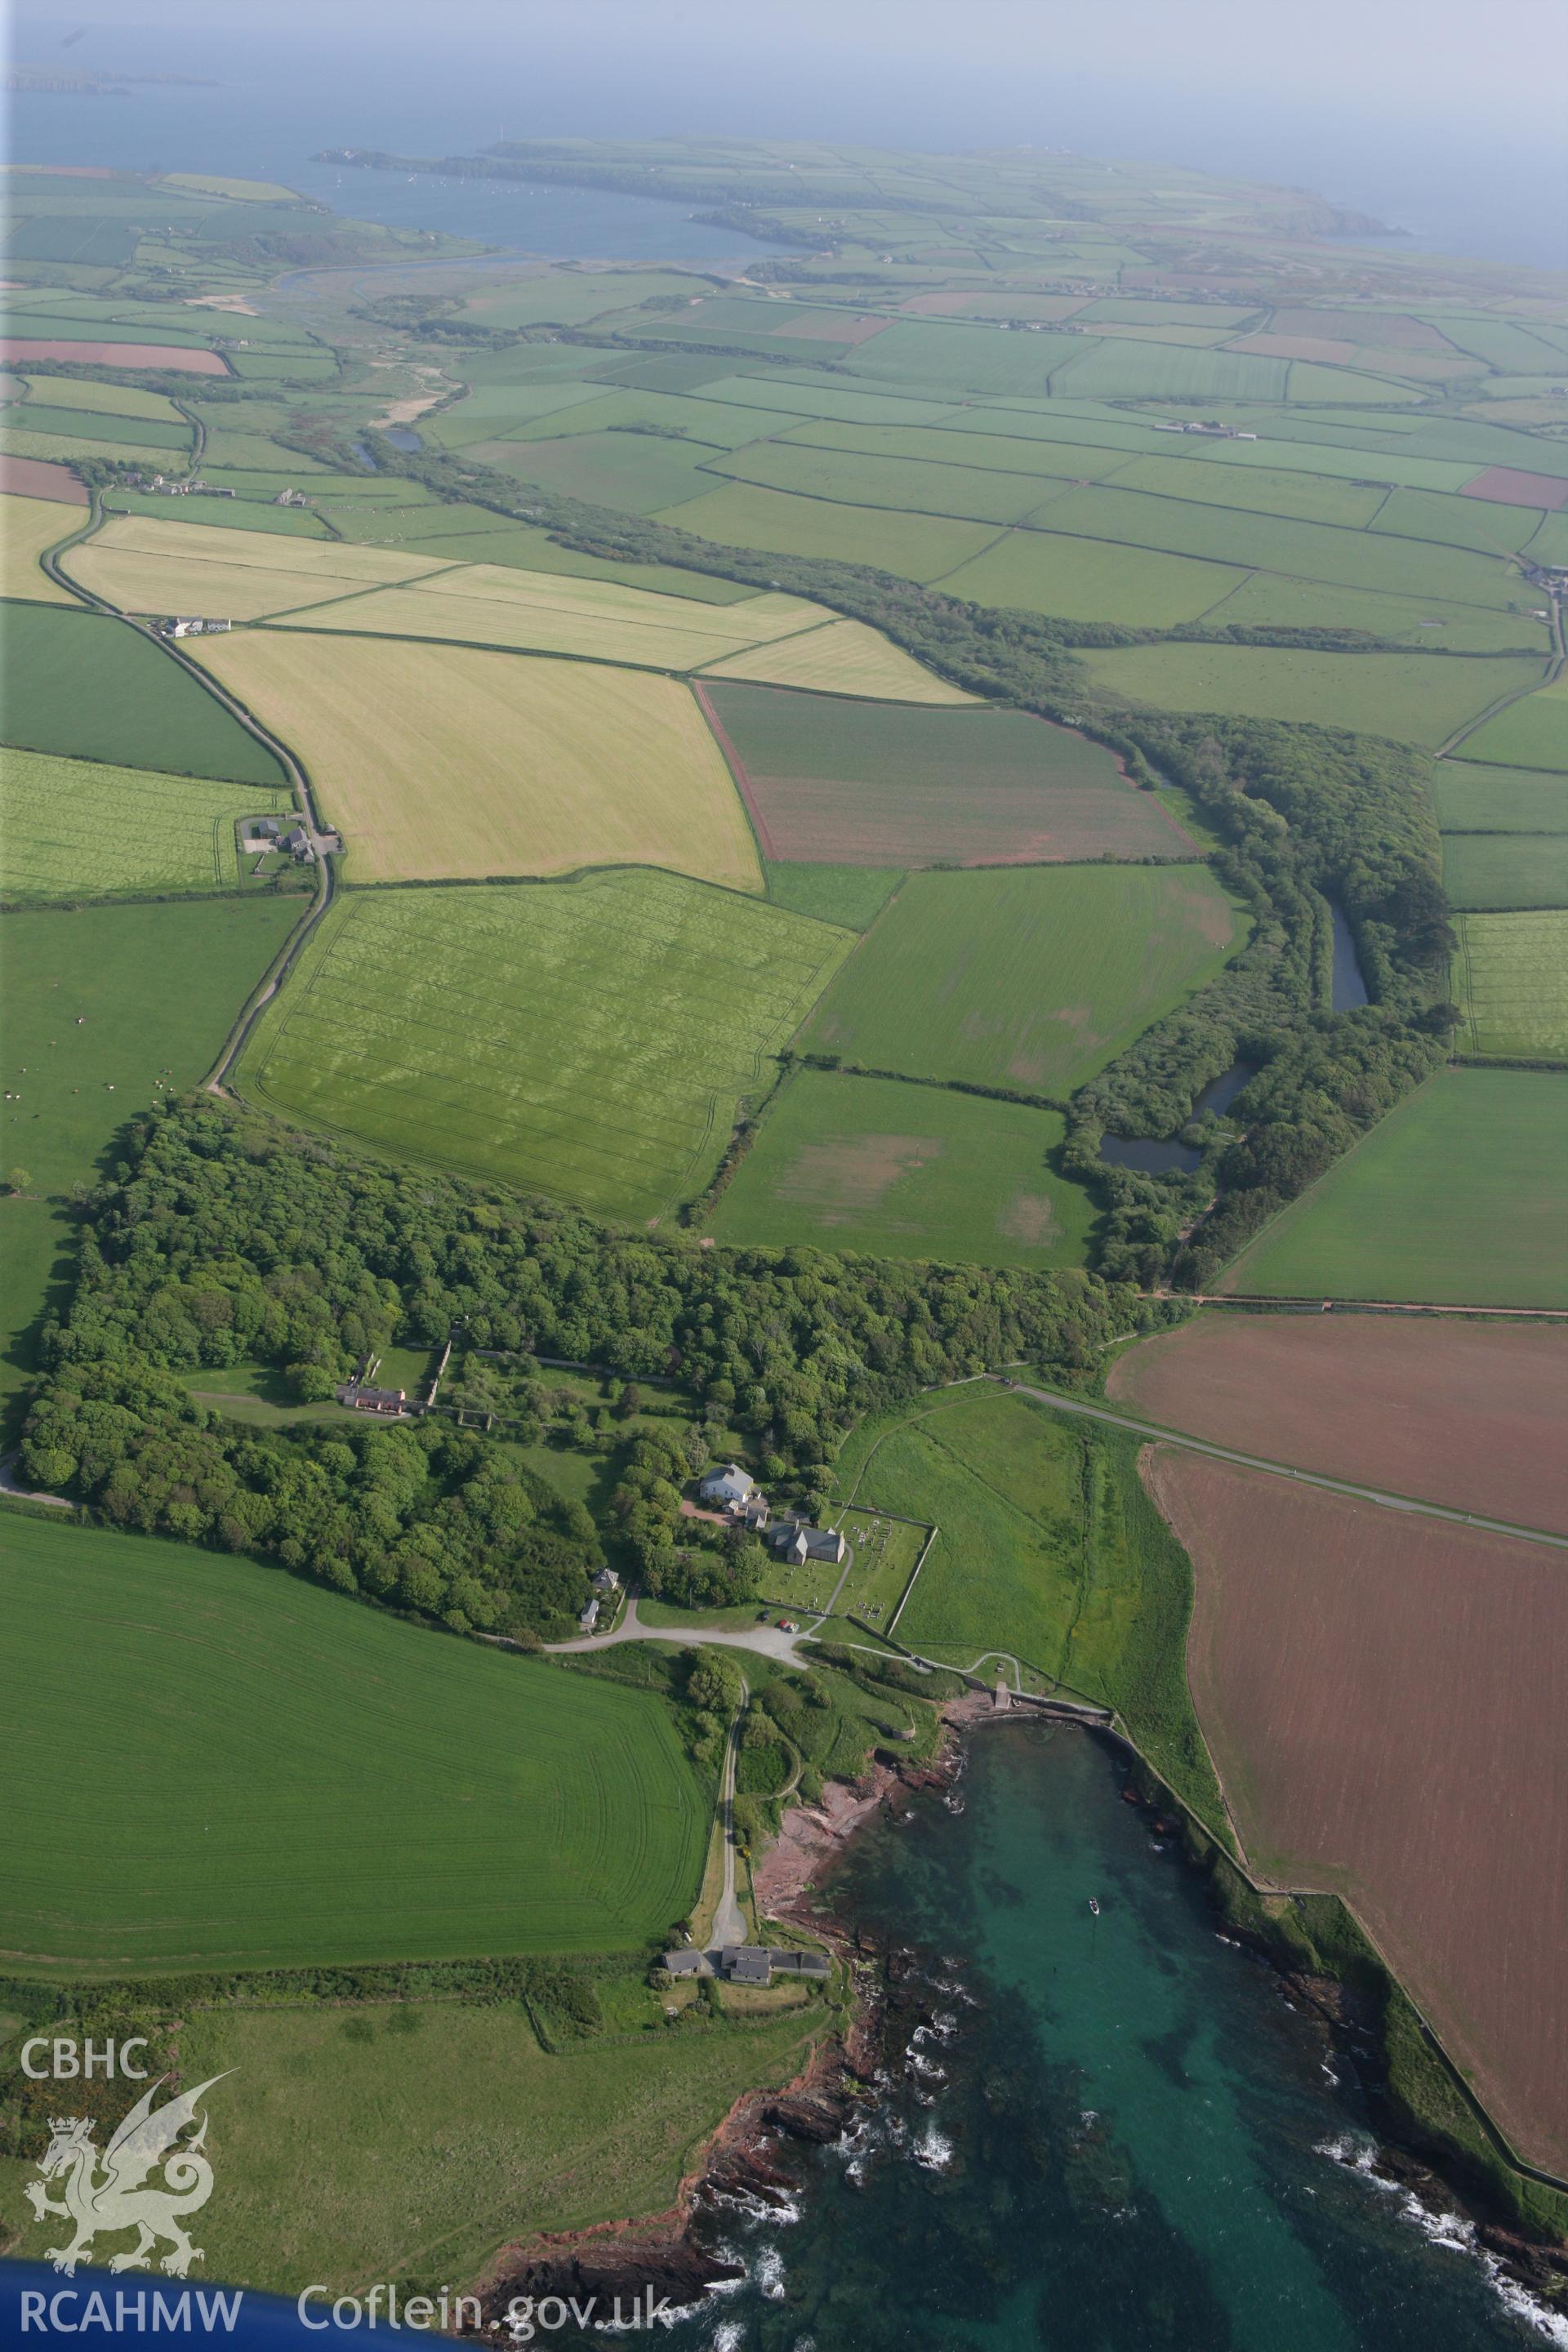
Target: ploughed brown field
[
  {"x": 36, "y": 477},
  {"x": 1506, "y": 487},
  {"x": 23, "y": 350},
  {"x": 1467, "y": 1414},
  {"x": 1383, "y": 1699}
]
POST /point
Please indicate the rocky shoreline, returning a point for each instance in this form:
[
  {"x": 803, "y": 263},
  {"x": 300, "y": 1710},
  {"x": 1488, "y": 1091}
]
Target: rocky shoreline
[
  {"x": 664, "y": 2254},
  {"x": 660, "y": 2255}
]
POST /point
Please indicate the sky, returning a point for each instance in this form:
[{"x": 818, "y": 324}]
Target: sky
[
  {"x": 1444, "y": 117},
  {"x": 1445, "y": 55}
]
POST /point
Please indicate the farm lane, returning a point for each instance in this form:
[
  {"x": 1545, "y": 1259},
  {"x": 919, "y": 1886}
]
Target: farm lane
[
  {"x": 768, "y": 1641},
  {"x": 1279, "y": 1469},
  {"x": 300, "y": 784},
  {"x": 729, "y": 1919}
]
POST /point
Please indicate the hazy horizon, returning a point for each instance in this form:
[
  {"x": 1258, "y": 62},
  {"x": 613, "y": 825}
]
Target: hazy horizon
[{"x": 1433, "y": 134}]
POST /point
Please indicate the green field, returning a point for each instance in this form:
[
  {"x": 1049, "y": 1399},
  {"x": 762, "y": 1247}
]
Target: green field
[
  {"x": 1306, "y": 550},
  {"x": 636, "y": 472},
  {"x": 1420, "y": 698},
  {"x": 1028, "y": 977},
  {"x": 1268, "y": 599},
  {"x": 1049, "y": 1548},
  {"x": 1530, "y": 734},
  {"x": 1457, "y": 1196},
  {"x": 1507, "y": 869},
  {"x": 73, "y": 829},
  {"x": 589, "y": 1040},
  {"x": 103, "y": 1005},
  {"x": 906, "y": 1171},
  {"x": 89, "y": 425},
  {"x": 1511, "y": 974},
  {"x": 1498, "y": 800},
  {"x": 1091, "y": 580},
  {"x": 409, "y": 2143},
  {"x": 95, "y": 688},
  {"x": 919, "y": 547},
  {"x": 302, "y": 1780},
  {"x": 851, "y": 896},
  {"x": 858, "y": 479}
]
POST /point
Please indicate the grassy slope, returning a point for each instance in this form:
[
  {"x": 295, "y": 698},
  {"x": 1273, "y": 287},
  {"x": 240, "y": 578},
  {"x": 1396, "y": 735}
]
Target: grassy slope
[
  {"x": 304, "y": 1779},
  {"x": 1048, "y": 1547}
]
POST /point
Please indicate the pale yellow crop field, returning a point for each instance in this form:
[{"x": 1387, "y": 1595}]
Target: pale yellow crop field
[
  {"x": 447, "y": 761},
  {"x": 142, "y": 564},
  {"x": 543, "y": 612},
  {"x": 26, "y": 527},
  {"x": 845, "y": 657}
]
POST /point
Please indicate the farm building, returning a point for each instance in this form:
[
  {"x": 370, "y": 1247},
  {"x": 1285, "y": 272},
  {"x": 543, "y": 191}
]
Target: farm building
[
  {"x": 590, "y": 1616},
  {"x": 732, "y": 1487},
  {"x": 754, "y": 1964},
  {"x": 361, "y": 1399},
  {"x": 797, "y": 1543}
]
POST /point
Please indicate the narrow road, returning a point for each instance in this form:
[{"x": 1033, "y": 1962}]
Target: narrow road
[
  {"x": 729, "y": 1919},
  {"x": 1152, "y": 1430},
  {"x": 767, "y": 1641},
  {"x": 326, "y": 880}
]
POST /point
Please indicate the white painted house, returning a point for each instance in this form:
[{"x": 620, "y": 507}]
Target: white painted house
[{"x": 732, "y": 1489}]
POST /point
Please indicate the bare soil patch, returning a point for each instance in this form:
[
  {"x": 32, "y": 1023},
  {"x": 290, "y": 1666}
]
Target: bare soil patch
[
  {"x": 824, "y": 820},
  {"x": 1506, "y": 486},
  {"x": 1384, "y": 1700},
  {"x": 823, "y": 328},
  {"x": 36, "y": 477},
  {"x": 1466, "y": 1414},
  {"x": 851, "y": 1173},
  {"x": 23, "y": 350}
]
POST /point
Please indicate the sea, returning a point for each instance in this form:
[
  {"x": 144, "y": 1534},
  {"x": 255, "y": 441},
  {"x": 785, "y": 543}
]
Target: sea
[
  {"x": 1446, "y": 180},
  {"x": 1111, "y": 2131}
]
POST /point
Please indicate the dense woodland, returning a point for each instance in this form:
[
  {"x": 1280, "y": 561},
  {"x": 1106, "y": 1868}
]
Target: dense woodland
[{"x": 223, "y": 1239}]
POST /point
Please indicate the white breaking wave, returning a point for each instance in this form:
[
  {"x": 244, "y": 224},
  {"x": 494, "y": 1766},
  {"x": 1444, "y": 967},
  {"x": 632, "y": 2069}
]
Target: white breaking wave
[
  {"x": 770, "y": 2274},
  {"x": 1449, "y": 2230},
  {"x": 933, "y": 2150}
]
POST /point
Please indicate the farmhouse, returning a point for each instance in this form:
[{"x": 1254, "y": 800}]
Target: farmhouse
[
  {"x": 797, "y": 1543},
  {"x": 362, "y": 1399},
  {"x": 732, "y": 1487},
  {"x": 606, "y": 1581},
  {"x": 590, "y": 1616},
  {"x": 749, "y": 1964}
]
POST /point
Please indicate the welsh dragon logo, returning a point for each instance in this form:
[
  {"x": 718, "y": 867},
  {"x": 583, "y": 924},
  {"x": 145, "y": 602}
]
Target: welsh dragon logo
[{"x": 114, "y": 2199}]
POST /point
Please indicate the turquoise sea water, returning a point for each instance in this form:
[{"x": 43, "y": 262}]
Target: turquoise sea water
[{"x": 1114, "y": 2134}]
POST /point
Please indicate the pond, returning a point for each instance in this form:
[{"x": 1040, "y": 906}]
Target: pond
[{"x": 1152, "y": 1158}]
